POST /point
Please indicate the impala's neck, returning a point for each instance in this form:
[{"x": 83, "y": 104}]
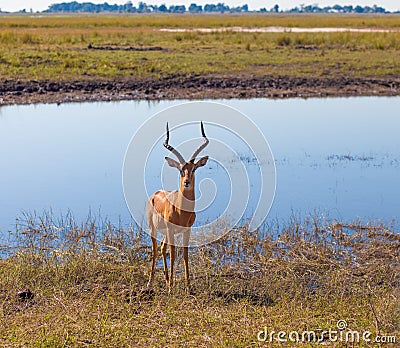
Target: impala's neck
[{"x": 186, "y": 198}]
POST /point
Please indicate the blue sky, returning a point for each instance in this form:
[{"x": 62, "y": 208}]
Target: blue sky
[{"x": 39, "y": 5}]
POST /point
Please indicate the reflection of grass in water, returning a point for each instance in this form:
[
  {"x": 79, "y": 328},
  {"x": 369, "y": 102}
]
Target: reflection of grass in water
[{"x": 86, "y": 290}]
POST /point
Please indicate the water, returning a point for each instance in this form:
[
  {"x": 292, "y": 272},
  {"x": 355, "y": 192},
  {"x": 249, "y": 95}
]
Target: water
[{"x": 338, "y": 157}]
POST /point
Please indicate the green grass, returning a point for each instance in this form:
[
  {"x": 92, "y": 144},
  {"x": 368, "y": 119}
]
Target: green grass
[
  {"x": 56, "y": 47},
  {"x": 87, "y": 282}
]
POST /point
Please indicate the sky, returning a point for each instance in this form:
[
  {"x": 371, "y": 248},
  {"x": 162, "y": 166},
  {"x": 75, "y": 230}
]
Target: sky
[{"x": 40, "y": 5}]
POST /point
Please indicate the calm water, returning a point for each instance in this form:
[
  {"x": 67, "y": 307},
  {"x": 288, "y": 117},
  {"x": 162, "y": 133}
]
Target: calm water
[{"x": 338, "y": 157}]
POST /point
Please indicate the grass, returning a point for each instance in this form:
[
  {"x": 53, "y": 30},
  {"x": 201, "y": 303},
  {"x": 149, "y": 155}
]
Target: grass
[
  {"x": 87, "y": 281},
  {"x": 199, "y": 21},
  {"x": 56, "y": 47}
]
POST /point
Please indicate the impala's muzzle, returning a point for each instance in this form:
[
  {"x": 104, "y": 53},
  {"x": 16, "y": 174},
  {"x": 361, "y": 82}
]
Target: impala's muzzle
[{"x": 186, "y": 183}]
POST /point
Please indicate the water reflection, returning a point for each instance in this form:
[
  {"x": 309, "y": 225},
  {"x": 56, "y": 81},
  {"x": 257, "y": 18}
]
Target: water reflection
[{"x": 337, "y": 156}]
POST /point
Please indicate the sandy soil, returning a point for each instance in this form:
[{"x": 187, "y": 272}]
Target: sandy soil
[{"x": 193, "y": 87}]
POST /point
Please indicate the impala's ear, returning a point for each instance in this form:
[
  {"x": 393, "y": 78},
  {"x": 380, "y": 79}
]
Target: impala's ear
[
  {"x": 173, "y": 163},
  {"x": 201, "y": 162}
]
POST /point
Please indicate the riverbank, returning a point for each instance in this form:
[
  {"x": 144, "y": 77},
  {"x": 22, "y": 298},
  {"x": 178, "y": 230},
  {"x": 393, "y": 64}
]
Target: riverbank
[
  {"x": 91, "y": 58},
  {"x": 193, "y": 87},
  {"x": 80, "y": 285}
]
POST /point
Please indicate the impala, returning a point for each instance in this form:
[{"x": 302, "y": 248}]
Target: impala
[{"x": 172, "y": 212}]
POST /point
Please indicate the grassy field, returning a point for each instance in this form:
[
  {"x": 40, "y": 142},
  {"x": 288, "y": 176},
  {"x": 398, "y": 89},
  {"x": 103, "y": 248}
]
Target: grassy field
[
  {"x": 85, "y": 286},
  {"x": 63, "y": 48},
  {"x": 86, "y": 281}
]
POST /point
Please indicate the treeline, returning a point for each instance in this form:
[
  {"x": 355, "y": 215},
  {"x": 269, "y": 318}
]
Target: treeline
[
  {"x": 88, "y": 7},
  {"x": 338, "y": 9}
]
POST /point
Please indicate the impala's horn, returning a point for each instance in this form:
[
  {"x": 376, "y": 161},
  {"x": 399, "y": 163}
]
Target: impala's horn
[
  {"x": 201, "y": 147},
  {"x": 170, "y": 148}
]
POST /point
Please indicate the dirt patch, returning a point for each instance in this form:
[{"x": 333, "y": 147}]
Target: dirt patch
[
  {"x": 193, "y": 87},
  {"x": 125, "y": 48}
]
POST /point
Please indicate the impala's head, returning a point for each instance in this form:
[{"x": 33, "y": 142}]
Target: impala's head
[{"x": 187, "y": 169}]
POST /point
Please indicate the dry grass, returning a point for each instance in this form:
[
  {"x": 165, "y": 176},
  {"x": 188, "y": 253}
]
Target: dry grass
[
  {"x": 87, "y": 283},
  {"x": 200, "y": 21}
]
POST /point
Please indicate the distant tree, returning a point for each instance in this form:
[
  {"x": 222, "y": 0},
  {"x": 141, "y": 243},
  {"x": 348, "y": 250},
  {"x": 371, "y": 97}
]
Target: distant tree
[
  {"x": 162, "y": 8},
  {"x": 368, "y": 9},
  {"x": 142, "y": 7},
  {"x": 308, "y": 8},
  {"x": 129, "y": 6},
  {"x": 221, "y": 7},
  {"x": 358, "y": 9},
  {"x": 378, "y": 9},
  {"x": 348, "y": 8},
  {"x": 337, "y": 8},
  {"x": 177, "y": 8},
  {"x": 193, "y": 8},
  {"x": 210, "y": 8},
  {"x": 275, "y": 8}
]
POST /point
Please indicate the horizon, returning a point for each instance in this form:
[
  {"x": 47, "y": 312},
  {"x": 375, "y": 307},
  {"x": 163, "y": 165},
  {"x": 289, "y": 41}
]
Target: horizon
[{"x": 41, "y": 5}]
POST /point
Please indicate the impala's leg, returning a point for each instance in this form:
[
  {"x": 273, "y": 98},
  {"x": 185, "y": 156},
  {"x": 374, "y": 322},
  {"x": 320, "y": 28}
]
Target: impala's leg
[
  {"x": 171, "y": 242},
  {"x": 164, "y": 245},
  {"x": 186, "y": 237},
  {"x": 154, "y": 259}
]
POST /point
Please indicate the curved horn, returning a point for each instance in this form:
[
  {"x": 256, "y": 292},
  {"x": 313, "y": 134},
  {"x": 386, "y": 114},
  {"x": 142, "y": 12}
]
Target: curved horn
[
  {"x": 201, "y": 147},
  {"x": 170, "y": 148}
]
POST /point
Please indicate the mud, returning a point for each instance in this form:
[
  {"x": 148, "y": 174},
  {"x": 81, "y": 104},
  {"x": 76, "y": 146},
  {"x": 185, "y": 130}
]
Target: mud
[
  {"x": 128, "y": 48},
  {"x": 193, "y": 87}
]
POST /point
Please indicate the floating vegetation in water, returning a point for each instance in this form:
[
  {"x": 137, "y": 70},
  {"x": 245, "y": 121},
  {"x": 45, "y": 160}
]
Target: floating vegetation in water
[
  {"x": 376, "y": 160},
  {"x": 350, "y": 157}
]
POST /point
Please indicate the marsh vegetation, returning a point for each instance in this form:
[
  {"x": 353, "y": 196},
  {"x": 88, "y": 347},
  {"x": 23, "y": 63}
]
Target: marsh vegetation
[{"x": 70, "y": 284}]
